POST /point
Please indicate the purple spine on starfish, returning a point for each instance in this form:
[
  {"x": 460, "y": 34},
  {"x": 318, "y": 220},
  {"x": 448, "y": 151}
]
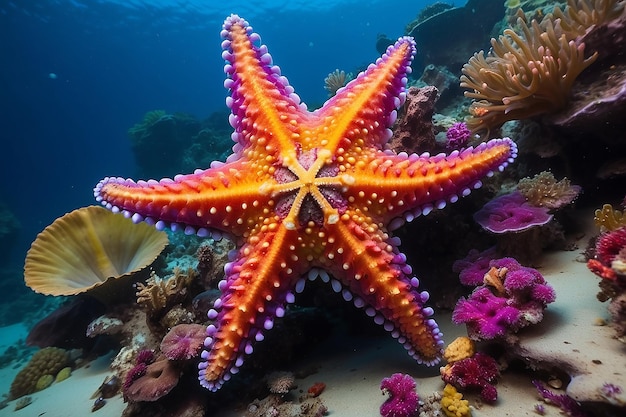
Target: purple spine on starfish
[{"x": 235, "y": 101}]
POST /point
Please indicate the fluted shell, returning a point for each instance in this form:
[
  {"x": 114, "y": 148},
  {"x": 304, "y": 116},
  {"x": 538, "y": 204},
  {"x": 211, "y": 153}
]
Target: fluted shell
[{"x": 87, "y": 246}]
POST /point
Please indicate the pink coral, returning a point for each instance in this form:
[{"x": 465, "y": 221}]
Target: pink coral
[
  {"x": 520, "y": 298},
  {"x": 511, "y": 213},
  {"x": 479, "y": 371},
  {"x": 183, "y": 341},
  {"x": 458, "y": 135},
  {"x": 403, "y": 400},
  {"x": 159, "y": 379}
]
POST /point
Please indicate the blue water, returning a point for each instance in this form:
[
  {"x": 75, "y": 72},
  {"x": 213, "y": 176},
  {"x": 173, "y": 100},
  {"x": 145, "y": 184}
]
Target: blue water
[{"x": 75, "y": 75}]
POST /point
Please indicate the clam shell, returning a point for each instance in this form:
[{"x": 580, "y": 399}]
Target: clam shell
[{"x": 87, "y": 246}]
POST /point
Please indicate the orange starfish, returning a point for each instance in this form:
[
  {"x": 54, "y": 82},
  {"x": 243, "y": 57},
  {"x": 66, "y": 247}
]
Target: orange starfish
[{"x": 308, "y": 194}]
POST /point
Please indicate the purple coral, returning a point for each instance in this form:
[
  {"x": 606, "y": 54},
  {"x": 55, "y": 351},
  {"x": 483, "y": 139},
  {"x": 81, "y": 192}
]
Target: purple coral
[
  {"x": 520, "y": 299},
  {"x": 403, "y": 400},
  {"x": 474, "y": 266},
  {"x": 486, "y": 315},
  {"x": 479, "y": 371},
  {"x": 511, "y": 213},
  {"x": 458, "y": 135}
]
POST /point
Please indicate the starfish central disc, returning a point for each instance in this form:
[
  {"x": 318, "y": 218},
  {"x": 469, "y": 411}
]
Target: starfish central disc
[{"x": 308, "y": 191}]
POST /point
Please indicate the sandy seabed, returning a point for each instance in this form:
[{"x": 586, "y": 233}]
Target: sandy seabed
[{"x": 569, "y": 339}]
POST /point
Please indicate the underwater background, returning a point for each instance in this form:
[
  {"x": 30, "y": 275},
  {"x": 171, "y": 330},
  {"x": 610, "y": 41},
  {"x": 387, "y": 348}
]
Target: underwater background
[{"x": 76, "y": 75}]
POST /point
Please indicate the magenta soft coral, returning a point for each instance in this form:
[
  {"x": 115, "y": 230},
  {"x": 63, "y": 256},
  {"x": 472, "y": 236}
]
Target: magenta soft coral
[
  {"x": 479, "y": 371},
  {"x": 518, "y": 299},
  {"x": 403, "y": 400}
]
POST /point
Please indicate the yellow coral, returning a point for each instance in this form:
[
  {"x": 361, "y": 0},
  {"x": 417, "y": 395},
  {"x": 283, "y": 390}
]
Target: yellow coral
[
  {"x": 608, "y": 219},
  {"x": 44, "y": 382},
  {"x": 47, "y": 361},
  {"x": 453, "y": 404},
  {"x": 543, "y": 190},
  {"x": 460, "y": 348},
  {"x": 63, "y": 374}
]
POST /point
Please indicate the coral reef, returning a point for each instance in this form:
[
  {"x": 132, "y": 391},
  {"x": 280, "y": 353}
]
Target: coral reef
[
  {"x": 512, "y": 297},
  {"x": 45, "y": 362},
  {"x": 183, "y": 341},
  {"x": 402, "y": 399},
  {"x": 80, "y": 251}
]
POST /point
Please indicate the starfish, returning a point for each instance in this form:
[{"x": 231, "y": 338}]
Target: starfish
[{"x": 307, "y": 195}]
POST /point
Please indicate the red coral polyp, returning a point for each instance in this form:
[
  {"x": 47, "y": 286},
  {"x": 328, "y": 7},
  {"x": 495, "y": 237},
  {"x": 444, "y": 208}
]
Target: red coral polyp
[{"x": 609, "y": 245}]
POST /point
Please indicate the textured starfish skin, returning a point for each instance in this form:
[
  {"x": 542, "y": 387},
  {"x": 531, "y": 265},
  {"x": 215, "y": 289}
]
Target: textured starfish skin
[{"x": 306, "y": 195}]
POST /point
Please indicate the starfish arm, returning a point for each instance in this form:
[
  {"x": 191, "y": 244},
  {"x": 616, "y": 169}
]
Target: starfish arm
[
  {"x": 360, "y": 114},
  {"x": 225, "y": 197},
  {"x": 391, "y": 185},
  {"x": 370, "y": 267},
  {"x": 266, "y": 113},
  {"x": 258, "y": 284}
]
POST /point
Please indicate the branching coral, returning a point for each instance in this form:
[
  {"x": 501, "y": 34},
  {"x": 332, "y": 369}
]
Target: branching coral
[
  {"x": 543, "y": 190},
  {"x": 526, "y": 74},
  {"x": 158, "y": 293}
]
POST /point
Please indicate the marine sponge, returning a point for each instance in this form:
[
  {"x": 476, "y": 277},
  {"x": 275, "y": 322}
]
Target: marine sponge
[
  {"x": 453, "y": 404},
  {"x": 47, "y": 361},
  {"x": 462, "y": 347}
]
